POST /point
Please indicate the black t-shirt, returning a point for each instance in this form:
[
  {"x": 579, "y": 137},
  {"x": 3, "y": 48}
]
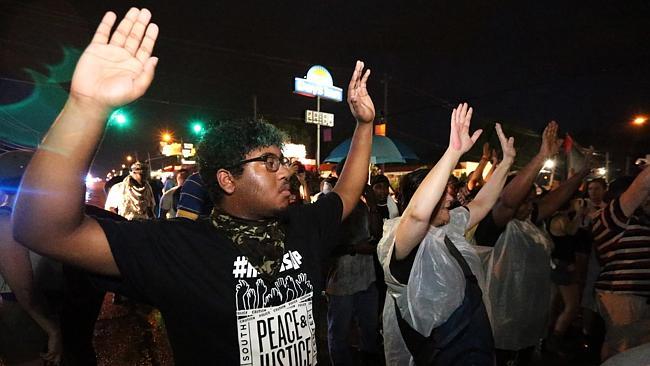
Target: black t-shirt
[
  {"x": 401, "y": 269},
  {"x": 564, "y": 247},
  {"x": 383, "y": 211},
  {"x": 217, "y": 309},
  {"x": 487, "y": 232}
]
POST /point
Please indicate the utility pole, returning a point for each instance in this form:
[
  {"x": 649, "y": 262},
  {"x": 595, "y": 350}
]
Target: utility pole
[
  {"x": 254, "y": 107},
  {"x": 385, "y": 81},
  {"x": 318, "y": 136},
  {"x": 607, "y": 166}
]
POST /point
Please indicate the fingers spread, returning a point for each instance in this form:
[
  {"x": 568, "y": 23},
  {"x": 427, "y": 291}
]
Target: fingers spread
[
  {"x": 104, "y": 28},
  {"x": 137, "y": 31},
  {"x": 124, "y": 28}
]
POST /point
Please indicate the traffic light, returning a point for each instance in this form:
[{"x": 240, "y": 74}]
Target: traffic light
[
  {"x": 119, "y": 117},
  {"x": 197, "y": 127}
]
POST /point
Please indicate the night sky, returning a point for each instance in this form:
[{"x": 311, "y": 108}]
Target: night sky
[{"x": 523, "y": 63}]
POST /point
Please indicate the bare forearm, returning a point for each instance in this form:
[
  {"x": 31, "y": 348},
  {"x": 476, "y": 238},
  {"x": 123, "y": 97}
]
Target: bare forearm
[
  {"x": 52, "y": 193},
  {"x": 306, "y": 191},
  {"x": 416, "y": 218},
  {"x": 16, "y": 269},
  {"x": 636, "y": 194},
  {"x": 556, "y": 198},
  {"x": 355, "y": 172},
  {"x": 428, "y": 194},
  {"x": 490, "y": 172},
  {"x": 517, "y": 190},
  {"x": 488, "y": 195},
  {"x": 477, "y": 175}
]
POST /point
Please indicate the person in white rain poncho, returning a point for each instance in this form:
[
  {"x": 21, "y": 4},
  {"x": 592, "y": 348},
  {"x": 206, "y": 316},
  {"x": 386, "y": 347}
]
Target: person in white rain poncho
[
  {"x": 434, "y": 312},
  {"x": 518, "y": 268}
]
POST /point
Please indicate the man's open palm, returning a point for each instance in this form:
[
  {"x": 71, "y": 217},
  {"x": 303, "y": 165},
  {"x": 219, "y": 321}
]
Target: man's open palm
[
  {"x": 116, "y": 70},
  {"x": 359, "y": 101}
]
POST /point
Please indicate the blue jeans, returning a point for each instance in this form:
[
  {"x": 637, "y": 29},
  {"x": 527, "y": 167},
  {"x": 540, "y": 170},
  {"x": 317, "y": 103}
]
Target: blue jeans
[{"x": 362, "y": 305}]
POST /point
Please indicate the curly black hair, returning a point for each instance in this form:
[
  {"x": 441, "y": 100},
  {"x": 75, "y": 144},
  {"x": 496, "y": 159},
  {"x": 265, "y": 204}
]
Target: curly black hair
[{"x": 226, "y": 143}]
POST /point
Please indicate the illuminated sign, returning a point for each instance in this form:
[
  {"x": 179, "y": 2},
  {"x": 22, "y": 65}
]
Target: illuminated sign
[
  {"x": 171, "y": 149},
  {"x": 318, "y": 82},
  {"x": 294, "y": 151},
  {"x": 319, "y": 118},
  {"x": 380, "y": 130}
]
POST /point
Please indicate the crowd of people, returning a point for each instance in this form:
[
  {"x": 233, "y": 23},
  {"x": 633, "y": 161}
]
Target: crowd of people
[{"x": 238, "y": 255}]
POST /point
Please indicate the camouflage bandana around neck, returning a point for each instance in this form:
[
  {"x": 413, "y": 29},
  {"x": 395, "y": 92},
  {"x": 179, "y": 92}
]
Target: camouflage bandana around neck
[{"x": 262, "y": 242}]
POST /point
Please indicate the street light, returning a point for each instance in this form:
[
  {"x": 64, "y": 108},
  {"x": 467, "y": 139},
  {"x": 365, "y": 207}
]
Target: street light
[
  {"x": 549, "y": 164},
  {"x": 129, "y": 158},
  {"x": 639, "y": 120},
  {"x": 167, "y": 137}
]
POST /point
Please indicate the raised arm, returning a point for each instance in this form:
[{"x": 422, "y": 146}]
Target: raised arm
[
  {"x": 417, "y": 215},
  {"x": 477, "y": 175},
  {"x": 49, "y": 213},
  {"x": 548, "y": 205},
  {"x": 16, "y": 270},
  {"x": 488, "y": 195},
  {"x": 518, "y": 189},
  {"x": 637, "y": 193},
  {"x": 495, "y": 162},
  {"x": 355, "y": 172},
  {"x": 299, "y": 171}
]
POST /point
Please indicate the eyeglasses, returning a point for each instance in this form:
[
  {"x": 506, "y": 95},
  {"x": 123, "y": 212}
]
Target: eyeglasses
[{"x": 271, "y": 161}]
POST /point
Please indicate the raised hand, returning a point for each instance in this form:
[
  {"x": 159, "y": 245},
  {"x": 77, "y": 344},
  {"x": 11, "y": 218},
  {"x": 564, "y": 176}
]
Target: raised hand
[
  {"x": 116, "y": 70},
  {"x": 507, "y": 145},
  {"x": 459, "y": 138},
  {"x": 250, "y": 299},
  {"x": 495, "y": 157},
  {"x": 486, "y": 151},
  {"x": 241, "y": 289},
  {"x": 550, "y": 143},
  {"x": 359, "y": 101}
]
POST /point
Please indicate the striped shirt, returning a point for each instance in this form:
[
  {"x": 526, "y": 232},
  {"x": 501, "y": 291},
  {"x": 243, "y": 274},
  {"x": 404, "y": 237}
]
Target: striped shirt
[
  {"x": 194, "y": 196},
  {"x": 623, "y": 247}
]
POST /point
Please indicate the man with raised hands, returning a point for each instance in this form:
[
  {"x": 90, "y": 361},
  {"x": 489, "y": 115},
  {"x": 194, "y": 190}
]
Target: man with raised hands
[
  {"x": 518, "y": 269},
  {"x": 234, "y": 287}
]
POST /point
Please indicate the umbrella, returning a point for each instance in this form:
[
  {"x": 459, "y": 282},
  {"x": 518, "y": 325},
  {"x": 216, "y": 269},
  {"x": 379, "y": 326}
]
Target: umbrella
[
  {"x": 384, "y": 151},
  {"x": 405, "y": 150}
]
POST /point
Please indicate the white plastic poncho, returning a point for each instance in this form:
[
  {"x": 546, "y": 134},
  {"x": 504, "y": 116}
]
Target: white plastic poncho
[
  {"x": 436, "y": 286},
  {"x": 519, "y": 286}
]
